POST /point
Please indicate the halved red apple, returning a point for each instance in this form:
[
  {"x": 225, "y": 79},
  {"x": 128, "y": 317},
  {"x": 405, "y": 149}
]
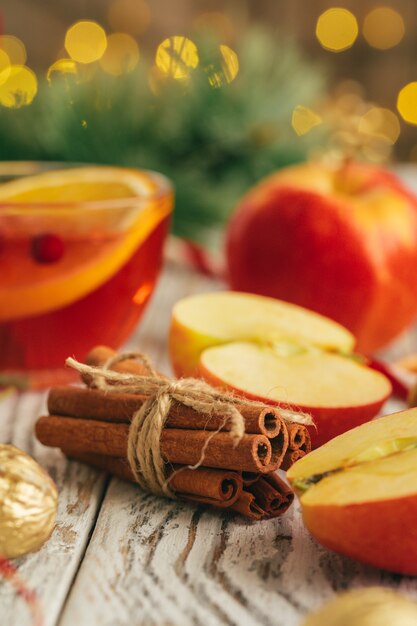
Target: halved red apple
[
  {"x": 358, "y": 492},
  {"x": 278, "y": 353}
]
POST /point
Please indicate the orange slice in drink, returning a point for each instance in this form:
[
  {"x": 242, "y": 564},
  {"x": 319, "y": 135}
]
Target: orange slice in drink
[{"x": 102, "y": 215}]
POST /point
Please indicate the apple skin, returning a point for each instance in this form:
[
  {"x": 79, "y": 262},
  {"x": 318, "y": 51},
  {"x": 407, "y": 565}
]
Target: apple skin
[
  {"x": 185, "y": 347},
  {"x": 373, "y": 533},
  {"x": 329, "y": 422},
  {"x": 340, "y": 242}
]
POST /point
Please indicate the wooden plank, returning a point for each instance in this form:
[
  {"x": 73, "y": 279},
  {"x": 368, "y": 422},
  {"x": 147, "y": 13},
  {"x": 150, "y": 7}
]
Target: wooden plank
[
  {"x": 152, "y": 561},
  {"x": 50, "y": 571}
]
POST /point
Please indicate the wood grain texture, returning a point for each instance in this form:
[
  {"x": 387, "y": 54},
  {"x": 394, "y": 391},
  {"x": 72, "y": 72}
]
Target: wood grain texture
[
  {"x": 50, "y": 572},
  {"x": 153, "y": 562}
]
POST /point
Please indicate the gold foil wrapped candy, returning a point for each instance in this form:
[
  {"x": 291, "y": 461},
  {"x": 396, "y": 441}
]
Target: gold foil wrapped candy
[
  {"x": 372, "y": 606},
  {"x": 28, "y": 503}
]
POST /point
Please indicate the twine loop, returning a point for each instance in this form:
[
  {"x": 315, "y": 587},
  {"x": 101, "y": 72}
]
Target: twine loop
[{"x": 143, "y": 449}]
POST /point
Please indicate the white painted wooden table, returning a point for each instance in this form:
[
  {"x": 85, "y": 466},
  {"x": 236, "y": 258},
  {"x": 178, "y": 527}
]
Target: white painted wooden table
[{"x": 119, "y": 557}]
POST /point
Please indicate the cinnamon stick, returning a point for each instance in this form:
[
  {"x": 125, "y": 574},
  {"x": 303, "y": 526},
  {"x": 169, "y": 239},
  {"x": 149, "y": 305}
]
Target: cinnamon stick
[
  {"x": 248, "y": 507},
  {"x": 220, "y": 488},
  {"x": 272, "y": 494},
  {"x": 253, "y": 452},
  {"x": 210, "y": 486},
  {"x": 99, "y": 355},
  {"x": 290, "y": 458},
  {"x": 120, "y": 407},
  {"x": 94, "y": 426},
  {"x": 269, "y": 497},
  {"x": 297, "y": 435},
  {"x": 299, "y": 444},
  {"x": 248, "y": 478},
  {"x": 269, "y": 422}
]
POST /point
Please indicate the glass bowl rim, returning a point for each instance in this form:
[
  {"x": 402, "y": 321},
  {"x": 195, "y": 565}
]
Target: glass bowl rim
[{"x": 163, "y": 188}]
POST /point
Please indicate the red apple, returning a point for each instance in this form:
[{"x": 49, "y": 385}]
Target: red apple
[
  {"x": 358, "y": 492},
  {"x": 278, "y": 353},
  {"x": 341, "y": 241}
]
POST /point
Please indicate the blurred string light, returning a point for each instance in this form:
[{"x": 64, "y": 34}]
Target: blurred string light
[
  {"x": 304, "y": 119},
  {"x": 61, "y": 70},
  {"x": 85, "y": 41},
  {"x": 337, "y": 29},
  {"x": 355, "y": 128},
  {"x": 4, "y": 66},
  {"x": 229, "y": 67},
  {"x": 407, "y": 103},
  {"x": 176, "y": 56},
  {"x": 121, "y": 55},
  {"x": 383, "y": 28},
  {"x": 129, "y": 16},
  {"x": 380, "y": 123},
  {"x": 14, "y": 48},
  {"x": 19, "y": 88}
]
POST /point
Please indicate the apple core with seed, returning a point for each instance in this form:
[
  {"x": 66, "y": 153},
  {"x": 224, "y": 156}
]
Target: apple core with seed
[{"x": 358, "y": 492}]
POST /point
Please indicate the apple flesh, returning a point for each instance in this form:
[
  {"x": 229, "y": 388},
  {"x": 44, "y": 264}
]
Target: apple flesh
[
  {"x": 341, "y": 241},
  {"x": 338, "y": 392},
  {"x": 211, "y": 319},
  {"x": 358, "y": 492},
  {"x": 371, "y": 606},
  {"x": 277, "y": 353}
]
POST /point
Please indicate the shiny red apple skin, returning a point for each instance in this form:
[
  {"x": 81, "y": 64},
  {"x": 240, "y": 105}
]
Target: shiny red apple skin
[
  {"x": 349, "y": 254},
  {"x": 370, "y": 532}
]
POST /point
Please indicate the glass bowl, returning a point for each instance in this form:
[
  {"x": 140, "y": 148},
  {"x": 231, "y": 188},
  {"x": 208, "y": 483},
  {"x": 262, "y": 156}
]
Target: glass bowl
[{"x": 79, "y": 261}]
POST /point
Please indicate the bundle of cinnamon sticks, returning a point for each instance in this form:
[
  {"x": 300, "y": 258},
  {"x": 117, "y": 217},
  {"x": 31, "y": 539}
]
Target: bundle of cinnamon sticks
[{"x": 92, "y": 426}]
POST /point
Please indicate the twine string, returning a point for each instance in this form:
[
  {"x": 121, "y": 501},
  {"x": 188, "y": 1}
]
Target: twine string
[{"x": 143, "y": 450}]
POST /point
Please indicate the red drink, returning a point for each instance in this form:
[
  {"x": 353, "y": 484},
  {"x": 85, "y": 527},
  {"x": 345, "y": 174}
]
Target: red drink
[{"x": 73, "y": 275}]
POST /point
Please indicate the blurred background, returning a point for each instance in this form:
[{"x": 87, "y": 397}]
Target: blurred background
[{"x": 215, "y": 94}]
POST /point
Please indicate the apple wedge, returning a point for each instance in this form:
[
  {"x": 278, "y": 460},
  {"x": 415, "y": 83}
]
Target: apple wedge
[
  {"x": 278, "y": 353},
  {"x": 211, "y": 319},
  {"x": 358, "y": 492},
  {"x": 337, "y": 391}
]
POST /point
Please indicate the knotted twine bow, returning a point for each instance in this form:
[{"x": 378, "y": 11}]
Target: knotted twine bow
[{"x": 143, "y": 449}]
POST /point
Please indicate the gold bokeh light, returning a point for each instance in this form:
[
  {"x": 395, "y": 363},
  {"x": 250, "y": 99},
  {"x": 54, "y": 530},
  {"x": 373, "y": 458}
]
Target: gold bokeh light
[
  {"x": 5, "y": 66},
  {"x": 14, "y": 48},
  {"x": 229, "y": 67},
  {"x": 62, "y": 69},
  {"x": 230, "y": 63},
  {"x": 407, "y": 103},
  {"x": 85, "y": 41},
  {"x": 377, "y": 154},
  {"x": 383, "y": 28},
  {"x": 380, "y": 123},
  {"x": 19, "y": 88},
  {"x": 129, "y": 16},
  {"x": 176, "y": 56},
  {"x": 337, "y": 29},
  {"x": 121, "y": 56},
  {"x": 304, "y": 119}
]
